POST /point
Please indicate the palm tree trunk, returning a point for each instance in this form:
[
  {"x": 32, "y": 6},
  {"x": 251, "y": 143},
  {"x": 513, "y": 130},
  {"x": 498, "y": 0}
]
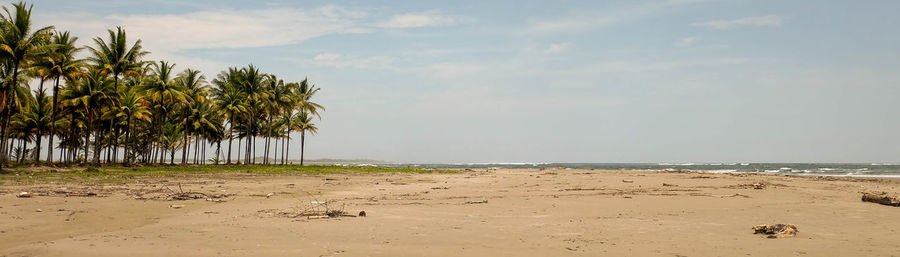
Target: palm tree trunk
[
  {"x": 8, "y": 114},
  {"x": 302, "y": 142},
  {"x": 109, "y": 148},
  {"x": 22, "y": 146},
  {"x": 203, "y": 154},
  {"x": 251, "y": 145},
  {"x": 53, "y": 122},
  {"x": 97, "y": 142},
  {"x": 37, "y": 150},
  {"x": 218, "y": 151},
  {"x": 126, "y": 155},
  {"x": 184, "y": 148},
  {"x": 230, "y": 137},
  {"x": 4, "y": 151},
  {"x": 196, "y": 149},
  {"x": 72, "y": 136},
  {"x": 87, "y": 141},
  {"x": 288, "y": 151},
  {"x": 115, "y": 146}
]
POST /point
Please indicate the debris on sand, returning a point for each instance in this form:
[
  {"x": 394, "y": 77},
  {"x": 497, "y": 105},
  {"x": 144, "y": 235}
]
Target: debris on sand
[
  {"x": 194, "y": 195},
  {"x": 776, "y": 231},
  {"x": 176, "y": 206},
  {"x": 627, "y": 181},
  {"x": 748, "y": 186},
  {"x": 362, "y": 214},
  {"x": 315, "y": 210},
  {"x": 581, "y": 189},
  {"x": 881, "y": 198},
  {"x": 67, "y": 193},
  {"x": 669, "y": 185},
  {"x": 477, "y": 202},
  {"x": 735, "y": 195},
  {"x": 24, "y": 195},
  {"x": 165, "y": 193}
]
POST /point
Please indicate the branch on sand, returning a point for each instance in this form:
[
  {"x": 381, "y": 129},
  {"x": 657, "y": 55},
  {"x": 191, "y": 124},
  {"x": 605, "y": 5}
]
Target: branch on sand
[{"x": 881, "y": 198}]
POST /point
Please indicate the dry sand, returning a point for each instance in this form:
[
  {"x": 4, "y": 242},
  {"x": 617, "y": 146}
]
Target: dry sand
[{"x": 476, "y": 213}]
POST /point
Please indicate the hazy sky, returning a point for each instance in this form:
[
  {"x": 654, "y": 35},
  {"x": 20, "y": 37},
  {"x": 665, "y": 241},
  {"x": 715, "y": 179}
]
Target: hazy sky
[{"x": 552, "y": 81}]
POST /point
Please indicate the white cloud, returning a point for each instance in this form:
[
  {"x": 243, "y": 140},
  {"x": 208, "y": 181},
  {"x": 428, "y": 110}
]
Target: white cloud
[
  {"x": 167, "y": 36},
  {"x": 768, "y": 20},
  {"x": 558, "y": 48},
  {"x": 589, "y": 20},
  {"x": 225, "y": 28},
  {"x": 687, "y": 41},
  {"x": 632, "y": 66},
  {"x": 413, "y": 20},
  {"x": 452, "y": 70},
  {"x": 343, "y": 61}
]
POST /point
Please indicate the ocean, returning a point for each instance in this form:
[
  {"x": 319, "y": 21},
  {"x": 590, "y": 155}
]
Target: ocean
[{"x": 889, "y": 170}]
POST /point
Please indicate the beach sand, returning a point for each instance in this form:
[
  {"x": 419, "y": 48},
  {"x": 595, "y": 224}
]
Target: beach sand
[{"x": 551, "y": 212}]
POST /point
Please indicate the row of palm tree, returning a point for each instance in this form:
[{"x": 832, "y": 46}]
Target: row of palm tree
[{"x": 115, "y": 101}]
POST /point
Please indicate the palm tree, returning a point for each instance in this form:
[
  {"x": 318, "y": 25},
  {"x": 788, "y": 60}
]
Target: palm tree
[
  {"x": 303, "y": 93},
  {"x": 195, "y": 90},
  {"x": 251, "y": 81},
  {"x": 36, "y": 119},
  {"x": 115, "y": 57},
  {"x": 164, "y": 94},
  {"x": 303, "y": 123},
  {"x": 230, "y": 100},
  {"x": 131, "y": 106},
  {"x": 17, "y": 44},
  {"x": 62, "y": 63},
  {"x": 88, "y": 95},
  {"x": 19, "y": 94}
]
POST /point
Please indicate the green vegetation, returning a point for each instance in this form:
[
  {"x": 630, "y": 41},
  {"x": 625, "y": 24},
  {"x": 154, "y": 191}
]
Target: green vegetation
[
  {"x": 118, "y": 174},
  {"x": 115, "y": 101}
]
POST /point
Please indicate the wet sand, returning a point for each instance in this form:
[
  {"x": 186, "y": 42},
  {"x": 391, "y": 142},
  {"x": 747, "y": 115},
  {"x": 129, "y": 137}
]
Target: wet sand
[{"x": 475, "y": 213}]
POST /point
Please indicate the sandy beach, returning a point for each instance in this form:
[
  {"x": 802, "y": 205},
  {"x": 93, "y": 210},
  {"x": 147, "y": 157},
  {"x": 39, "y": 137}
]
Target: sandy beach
[{"x": 551, "y": 212}]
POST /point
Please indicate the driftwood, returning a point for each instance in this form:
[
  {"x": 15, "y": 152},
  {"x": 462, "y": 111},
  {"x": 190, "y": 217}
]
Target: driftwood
[
  {"x": 477, "y": 202},
  {"x": 67, "y": 193},
  {"x": 747, "y": 186},
  {"x": 776, "y": 231},
  {"x": 881, "y": 198}
]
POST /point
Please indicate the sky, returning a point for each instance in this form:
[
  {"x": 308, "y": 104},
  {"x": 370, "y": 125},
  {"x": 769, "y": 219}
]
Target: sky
[{"x": 550, "y": 81}]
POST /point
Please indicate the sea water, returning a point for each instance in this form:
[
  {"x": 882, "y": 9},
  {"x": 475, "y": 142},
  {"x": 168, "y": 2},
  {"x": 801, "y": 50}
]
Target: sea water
[{"x": 891, "y": 170}]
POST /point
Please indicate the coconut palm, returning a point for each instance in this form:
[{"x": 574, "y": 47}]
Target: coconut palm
[
  {"x": 115, "y": 57},
  {"x": 124, "y": 100},
  {"x": 303, "y": 123},
  {"x": 195, "y": 90},
  {"x": 230, "y": 100},
  {"x": 61, "y": 62},
  {"x": 164, "y": 94},
  {"x": 88, "y": 95},
  {"x": 36, "y": 119},
  {"x": 18, "y": 43},
  {"x": 131, "y": 106},
  {"x": 252, "y": 82}
]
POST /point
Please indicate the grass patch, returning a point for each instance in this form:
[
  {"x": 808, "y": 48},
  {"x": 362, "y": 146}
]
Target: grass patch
[{"x": 120, "y": 174}]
